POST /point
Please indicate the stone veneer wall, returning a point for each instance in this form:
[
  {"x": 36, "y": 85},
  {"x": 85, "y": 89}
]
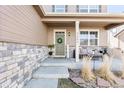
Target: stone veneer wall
[{"x": 18, "y": 62}]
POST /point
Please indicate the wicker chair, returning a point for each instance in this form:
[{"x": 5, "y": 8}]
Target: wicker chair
[{"x": 90, "y": 51}]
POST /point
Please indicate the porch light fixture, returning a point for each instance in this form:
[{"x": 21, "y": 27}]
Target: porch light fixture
[{"x": 69, "y": 33}]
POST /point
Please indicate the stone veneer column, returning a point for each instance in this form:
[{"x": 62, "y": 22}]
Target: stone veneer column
[{"x": 77, "y": 40}]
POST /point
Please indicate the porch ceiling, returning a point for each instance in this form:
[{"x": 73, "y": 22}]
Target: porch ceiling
[
  {"x": 72, "y": 24},
  {"x": 105, "y": 20},
  {"x": 105, "y": 25}
]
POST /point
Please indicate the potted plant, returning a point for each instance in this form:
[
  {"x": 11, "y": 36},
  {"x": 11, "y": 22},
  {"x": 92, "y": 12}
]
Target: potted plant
[{"x": 51, "y": 49}]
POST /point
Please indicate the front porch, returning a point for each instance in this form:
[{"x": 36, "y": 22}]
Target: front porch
[
  {"x": 53, "y": 69},
  {"x": 76, "y": 34}
]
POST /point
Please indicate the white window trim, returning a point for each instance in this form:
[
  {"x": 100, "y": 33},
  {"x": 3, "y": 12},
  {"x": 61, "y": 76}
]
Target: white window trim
[
  {"x": 59, "y": 8},
  {"x": 88, "y": 8},
  {"x": 91, "y": 30}
]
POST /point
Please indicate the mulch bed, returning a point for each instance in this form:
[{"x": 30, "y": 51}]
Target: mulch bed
[
  {"x": 76, "y": 78},
  {"x": 98, "y": 83}
]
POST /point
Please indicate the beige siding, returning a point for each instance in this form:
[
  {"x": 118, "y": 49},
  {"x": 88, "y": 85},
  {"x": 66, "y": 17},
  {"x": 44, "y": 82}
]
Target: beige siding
[
  {"x": 47, "y": 8},
  {"x": 121, "y": 36},
  {"x": 116, "y": 42},
  {"x": 113, "y": 42},
  {"x": 103, "y": 37},
  {"x": 103, "y": 8},
  {"x": 50, "y": 36},
  {"x": 121, "y": 44},
  {"x": 72, "y": 8},
  {"x": 120, "y": 28},
  {"x": 22, "y": 24},
  {"x": 71, "y": 39}
]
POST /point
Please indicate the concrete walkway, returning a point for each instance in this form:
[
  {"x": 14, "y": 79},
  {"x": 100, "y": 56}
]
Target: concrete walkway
[
  {"x": 51, "y": 72},
  {"x": 42, "y": 83},
  {"x": 47, "y": 77}
]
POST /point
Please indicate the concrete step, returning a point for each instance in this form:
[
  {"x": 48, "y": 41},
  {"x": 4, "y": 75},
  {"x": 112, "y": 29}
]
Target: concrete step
[
  {"x": 71, "y": 65},
  {"x": 42, "y": 83},
  {"x": 51, "y": 72}
]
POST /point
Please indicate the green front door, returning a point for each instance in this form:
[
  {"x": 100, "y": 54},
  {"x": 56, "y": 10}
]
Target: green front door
[{"x": 60, "y": 43}]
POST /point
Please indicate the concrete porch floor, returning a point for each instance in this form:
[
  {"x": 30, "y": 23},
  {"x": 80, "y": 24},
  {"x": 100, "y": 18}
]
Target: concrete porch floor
[{"x": 70, "y": 63}]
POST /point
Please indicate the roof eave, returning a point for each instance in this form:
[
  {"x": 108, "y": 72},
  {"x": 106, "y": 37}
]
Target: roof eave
[{"x": 116, "y": 35}]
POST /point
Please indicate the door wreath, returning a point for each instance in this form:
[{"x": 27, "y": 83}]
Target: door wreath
[{"x": 59, "y": 40}]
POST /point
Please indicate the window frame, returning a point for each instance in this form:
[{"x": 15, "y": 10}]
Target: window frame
[
  {"x": 83, "y": 8},
  {"x": 97, "y": 8},
  {"x": 84, "y": 38},
  {"x": 88, "y": 9},
  {"x": 90, "y": 30},
  {"x": 55, "y": 8}
]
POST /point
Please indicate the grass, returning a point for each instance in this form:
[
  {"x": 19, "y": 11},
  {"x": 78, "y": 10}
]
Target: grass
[{"x": 67, "y": 83}]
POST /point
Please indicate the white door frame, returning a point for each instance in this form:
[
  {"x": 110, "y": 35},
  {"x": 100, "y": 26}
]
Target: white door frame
[{"x": 54, "y": 41}]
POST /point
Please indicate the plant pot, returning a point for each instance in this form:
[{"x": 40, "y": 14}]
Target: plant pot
[{"x": 50, "y": 53}]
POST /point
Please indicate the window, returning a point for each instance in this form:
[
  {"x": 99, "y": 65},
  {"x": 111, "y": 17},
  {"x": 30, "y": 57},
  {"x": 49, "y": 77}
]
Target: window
[
  {"x": 88, "y": 8},
  {"x": 93, "y": 38},
  {"x": 93, "y": 8},
  {"x": 84, "y": 38},
  {"x": 89, "y": 38},
  {"x": 83, "y": 8},
  {"x": 59, "y": 8}
]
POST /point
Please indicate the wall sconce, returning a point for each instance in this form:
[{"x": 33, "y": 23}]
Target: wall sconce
[{"x": 69, "y": 33}]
